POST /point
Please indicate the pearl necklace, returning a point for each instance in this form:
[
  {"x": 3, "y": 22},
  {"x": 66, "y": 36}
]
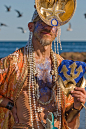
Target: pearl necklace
[{"x": 35, "y": 87}]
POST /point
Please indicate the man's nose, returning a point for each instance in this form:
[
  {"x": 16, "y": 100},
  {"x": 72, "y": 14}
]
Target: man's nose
[{"x": 47, "y": 27}]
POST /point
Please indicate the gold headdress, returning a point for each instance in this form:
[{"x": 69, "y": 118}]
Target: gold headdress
[
  {"x": 55, "y": 13},
  {"x": 35, "y": 16}
]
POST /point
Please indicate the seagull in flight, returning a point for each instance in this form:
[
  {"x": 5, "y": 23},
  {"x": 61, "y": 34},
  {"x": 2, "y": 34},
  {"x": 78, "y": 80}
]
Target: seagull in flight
[
  {"x": 69, "y": 27},
  {"x": 23, "y": 31},
  {"x": 19, "y": 14},
  {"x": 8, "y": 8},
  {"x": 85, "y": 15},
  {"x": 2, "y": 24}
]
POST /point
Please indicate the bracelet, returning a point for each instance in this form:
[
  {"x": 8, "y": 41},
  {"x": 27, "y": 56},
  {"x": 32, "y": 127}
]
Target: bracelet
[
  {"x": 71, "y": 114},
  {"x": 77, "y": 109},
  {"x": 10, "y": 105}
]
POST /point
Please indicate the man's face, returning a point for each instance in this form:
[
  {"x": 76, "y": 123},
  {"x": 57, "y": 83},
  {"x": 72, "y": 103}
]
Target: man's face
[{"x": 44, "y": 33}]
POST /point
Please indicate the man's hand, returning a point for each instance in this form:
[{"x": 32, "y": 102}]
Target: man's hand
[
  {"x": 14, "y": 112},
  {"x": 79, "y": 95}
]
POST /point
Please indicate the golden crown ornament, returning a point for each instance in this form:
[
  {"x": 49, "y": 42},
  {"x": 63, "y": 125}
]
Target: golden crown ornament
[{"x": 55, "y": 12}]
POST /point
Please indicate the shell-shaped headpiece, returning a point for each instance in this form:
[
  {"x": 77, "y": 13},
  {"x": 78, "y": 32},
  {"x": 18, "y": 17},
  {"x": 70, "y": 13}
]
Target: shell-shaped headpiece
[{"x": 55, "y": 12}]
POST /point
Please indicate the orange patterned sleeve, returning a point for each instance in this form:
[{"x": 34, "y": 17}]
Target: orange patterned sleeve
[
  {"x": 10, "y": 71},
  {"x": 4, "y": 67},
  {"x": 9, "y": 67},
  {"x": 69, "y": 101},
  {"x": 59, "y": 59},
  {"x": 6, "y": 71}
]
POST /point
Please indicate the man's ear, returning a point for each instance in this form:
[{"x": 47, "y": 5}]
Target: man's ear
[{"x": 31, "y": 26}]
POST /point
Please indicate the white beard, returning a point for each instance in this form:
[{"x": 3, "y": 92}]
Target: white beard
[{"x": 45, "y": 42}]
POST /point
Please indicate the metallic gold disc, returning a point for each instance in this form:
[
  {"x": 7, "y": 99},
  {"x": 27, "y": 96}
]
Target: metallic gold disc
[{"x": 55, "y": 12}]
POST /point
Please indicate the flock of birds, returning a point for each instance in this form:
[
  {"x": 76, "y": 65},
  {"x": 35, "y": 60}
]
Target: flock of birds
[{"x": 19, "y": 15}]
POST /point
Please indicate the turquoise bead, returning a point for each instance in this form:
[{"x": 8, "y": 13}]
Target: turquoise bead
[{"x": 53, "y": 122}]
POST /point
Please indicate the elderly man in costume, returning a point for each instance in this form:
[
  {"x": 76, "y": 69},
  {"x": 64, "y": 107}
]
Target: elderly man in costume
[{"x": 31, "y": 94}]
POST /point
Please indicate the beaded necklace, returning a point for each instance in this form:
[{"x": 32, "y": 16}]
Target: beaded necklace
[{"x": 34, "y": 87}]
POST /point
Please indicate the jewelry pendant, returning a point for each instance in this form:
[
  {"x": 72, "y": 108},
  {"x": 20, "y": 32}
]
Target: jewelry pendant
[
  {"x": 39, "y": 109},
  {"x": 50, "y": 121}
]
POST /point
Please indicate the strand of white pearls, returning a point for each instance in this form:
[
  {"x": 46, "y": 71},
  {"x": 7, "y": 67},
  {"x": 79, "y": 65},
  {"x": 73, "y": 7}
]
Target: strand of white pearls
[
  {"x": 31, "y": 81},
  {"x": 58, "y": 93},
  {"x": 29, "y": 77},
  {"x": 33, "y": 87},
  {"x": 59, "y": 100},
  {"x": 58, "y": 114},
  {"x": 58, "y": 39},
  {"x": 56, "y": 76}
]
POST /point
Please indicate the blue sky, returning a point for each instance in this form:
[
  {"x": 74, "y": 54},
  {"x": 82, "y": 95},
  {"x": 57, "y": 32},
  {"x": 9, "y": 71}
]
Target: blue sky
[{"x": 26, "y": 7}]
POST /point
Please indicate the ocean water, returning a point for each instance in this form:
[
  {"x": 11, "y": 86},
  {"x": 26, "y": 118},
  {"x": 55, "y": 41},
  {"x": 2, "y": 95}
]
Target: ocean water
[{"x": 8, "y": 47}]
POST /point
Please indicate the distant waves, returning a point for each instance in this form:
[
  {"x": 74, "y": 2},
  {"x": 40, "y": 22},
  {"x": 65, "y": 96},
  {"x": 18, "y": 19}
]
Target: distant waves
[{"x": 8, "y": 47}]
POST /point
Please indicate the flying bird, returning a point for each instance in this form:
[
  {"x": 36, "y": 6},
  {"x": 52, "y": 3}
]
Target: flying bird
[
  {"x": 69, "y": 27},
  {"x": 2, "y": 24},
  {"x": 85, "y": 15},
  {"x": 23, "y": 31},
  {"x": 8, "y": 8},
  {"x": 19, "y": 14}
]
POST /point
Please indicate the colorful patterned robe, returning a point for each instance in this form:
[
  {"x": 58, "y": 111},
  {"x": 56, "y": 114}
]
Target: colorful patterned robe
[{"x": 13, "y": 73}]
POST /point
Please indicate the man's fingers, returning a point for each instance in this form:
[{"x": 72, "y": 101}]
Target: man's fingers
[
  {"x": 79, "y": 97},
  {"x": 80, "y": 89},
  {"x": 78, "y": 94}
]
